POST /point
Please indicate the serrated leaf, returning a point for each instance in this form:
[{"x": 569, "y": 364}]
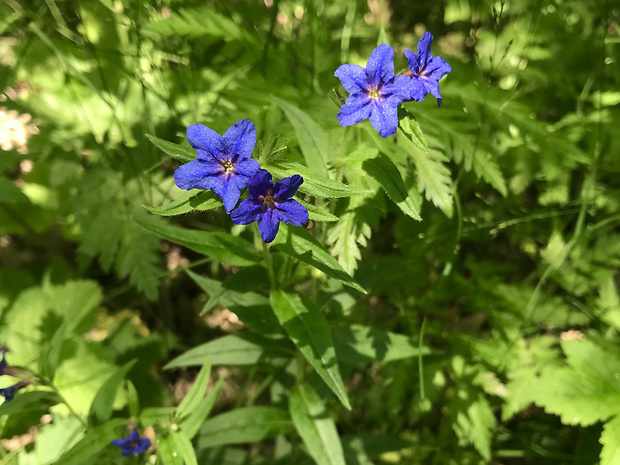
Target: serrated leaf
[
  {"x": 92, "y": 442},
  {"x": 243, "y": 425},
  {"x": 344, "y": 239},
  {"x": 196, "y": 393},
  {"x": 314, "y": 184},
  {"x": 434, "y": 178},
  {"x": 191, "y": 425},
  {"x": 179, "y": 152},
  {"x": 187, "y": 202},
  {"x": 137, "y": 258},
  {"x": 312, "y": 138},
  {"x": 385, "y": 172},
  {"x": 242, "y": 349},
  {"x": 610, "y": 439},
  {"x": 197, "y": 22},
  {"x": 299, "y": 244},
  {"x": 219, "y": 246},
  {"x": 103, "y": 405},
  {"x": 306, "y": 325},
  {"x": 315, "y": 426}
]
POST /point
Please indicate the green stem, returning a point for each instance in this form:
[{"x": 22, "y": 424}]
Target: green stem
[{"x": 269, "y": 263}]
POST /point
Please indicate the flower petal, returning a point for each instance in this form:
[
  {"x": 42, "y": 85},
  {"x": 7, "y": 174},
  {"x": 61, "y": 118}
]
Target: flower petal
[
  {"x": 413, "y": 61},
  {"x": 437, "y": 68},
  {"x": 417, "y": 90},
  {"x": 285, "y": 188},
  {"x": 268, "y": 225},
  {"x": 240, "y": 139},
  {"x": 432, "y": 87},
  {"x": 380, "y": 66},
  {"x": 227, "y": 190},
  {"x": 292, "y": 212},
  {"x": 259, "y": 184},
  {"x": 357, "y": 108},
  {"x": 197, "y": 173},
  {"x": 143, "y": 445},
  {"x": 353, "y": 78},
  {"x": 384, "y": 118},
  {"x": 397, "y": 87},
  {"x": 204, "y": 138},
  {"x": 424, "y": 49},
  {"x": 120, "y": 442},
  {"x": 246, "y": 167},
  {"x": 247, "y": 212}
]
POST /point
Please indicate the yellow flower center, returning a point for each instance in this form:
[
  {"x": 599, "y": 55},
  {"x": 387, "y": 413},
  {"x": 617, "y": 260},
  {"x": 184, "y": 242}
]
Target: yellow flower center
[
  {"x": 228, "y": 166},
  {"x": 374, "y": 93}
]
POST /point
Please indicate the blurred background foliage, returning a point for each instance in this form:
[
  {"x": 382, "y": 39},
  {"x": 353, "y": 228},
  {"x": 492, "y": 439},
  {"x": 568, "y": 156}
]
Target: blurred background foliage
[{"x": 510, "y": 279}]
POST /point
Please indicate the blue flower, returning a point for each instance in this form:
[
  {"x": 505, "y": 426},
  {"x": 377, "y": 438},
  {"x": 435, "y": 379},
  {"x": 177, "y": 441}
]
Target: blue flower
[
  {"x": 223, "y": 164},
  {"x": 3, "y": 364},
  {"x": 270, "y": 203},
  {"x": 9, "y": 392},
  {"x": 425, "y": 70},
  {"x": 132, "y": 444},
  {"x": 375, "y": 91}
]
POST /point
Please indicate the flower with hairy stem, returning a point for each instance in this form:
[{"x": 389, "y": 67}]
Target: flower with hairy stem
[
  {"x": 375, "y": 92},
  {"x": 223, "y": 164},
  {"x": 132, "y": 444},
  {"x": 270, "y": 203},
  {"x": 425, "y": 70}
]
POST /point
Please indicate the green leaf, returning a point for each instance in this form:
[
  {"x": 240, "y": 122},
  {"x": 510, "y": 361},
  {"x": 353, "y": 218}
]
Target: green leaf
[
  {"x": 344, "y": 237},
  {"x": 312, "y": 139},
  {"x": 385, "y": 172},
  {"x": 191, "y": 425},
  {"x": 167, "y": 450},
  {"x": 586, "y": 391},
  {"x": 361, "y": 344},
  {"x": 198, "y": 22},
  {"x": 242, "y": 425},
  {"x": 301, "y": 245},
  {"x": 133, "y": 399},
  {"x": 92, "y": 442},
  {"x": 610, "y": 439},
  {"x": 314, "y": 184},
  {"x": 411, "y": 128},
  {"x": 242, "y": 349},
  {"x": 156, "y": 416},
  {"x": 29, "y": 401},
  {"x": 187, "y": 202},
  {"x": 474, "y": 421},
  {"x": 103, "y": 405},
  {"x": 183, "y": 447},
  {"x": 196, "y": 393},
  {"x": 219, "y": 246},
  {"x": 434, "y": 178},
  {"x": 309, "y": 330},
  {"x": 179, "y": 152},
  {"x": 316, "y": 213},
  {"x": 10, "y": 193},
  {"x": 315, "y": 426}
]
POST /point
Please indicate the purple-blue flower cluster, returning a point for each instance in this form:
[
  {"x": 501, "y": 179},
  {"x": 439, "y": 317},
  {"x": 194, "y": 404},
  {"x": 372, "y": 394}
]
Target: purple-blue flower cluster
[
  {"x": 376, "y": 92},
  {"x": 5, "y": 369},
  {"x": 225, "y": 166}
]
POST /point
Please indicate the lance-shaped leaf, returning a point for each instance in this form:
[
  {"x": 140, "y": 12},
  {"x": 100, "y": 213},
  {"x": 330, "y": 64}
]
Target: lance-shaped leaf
[
  {"x": 315, "y": 184},
  {"x": 188, "y": 201},
  {"x": 411, "y": 128},
  {"x": 315, "y": 426},
  {"x": 312, "y": 139},
  {"x": 92, "y": 442},
  {"x": 299, "y": 244},
  {"x": 178, "y": 152},
  {"x": 102, "y": 407},
  {"x": 385, "y": 172},
  {"x": 309, "y": 330},
  {"x": 196, "y": 393},
  {"x": 191, "y": 425},
  {"x": 220, "y": 246}
]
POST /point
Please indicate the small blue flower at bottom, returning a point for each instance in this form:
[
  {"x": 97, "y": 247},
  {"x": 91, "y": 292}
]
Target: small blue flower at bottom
[
  {"x": 223, "y": 164},
  {"x": 425, "y": 70},
  {"x": 132, "y": 444},
  {"x": 375, "y": 92},
  {"x": 270, "y": 203}
]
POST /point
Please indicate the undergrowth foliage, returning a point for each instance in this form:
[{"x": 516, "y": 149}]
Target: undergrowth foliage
[{"x": 434, "y": 270}]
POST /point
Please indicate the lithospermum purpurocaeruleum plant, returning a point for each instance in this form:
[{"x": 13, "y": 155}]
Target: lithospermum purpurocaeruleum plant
[{"x": 205, "y": 261}]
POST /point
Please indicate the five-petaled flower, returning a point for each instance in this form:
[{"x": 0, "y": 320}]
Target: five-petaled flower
[
  {"x": 270, "y": 203},
  {"x": 132, "y": 444},
  {"x": 223, "y": 164},
  {"x": 375, "y": 91},
  {"x": 9, "y": 392},
  {"x": 425, "y": 70}
]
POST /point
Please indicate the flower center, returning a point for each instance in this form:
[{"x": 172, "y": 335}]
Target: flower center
[
  {"x": 374, "y": 93},
  {"x": 268, "y": 200},
  {"x": 228, "y": 166}
]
